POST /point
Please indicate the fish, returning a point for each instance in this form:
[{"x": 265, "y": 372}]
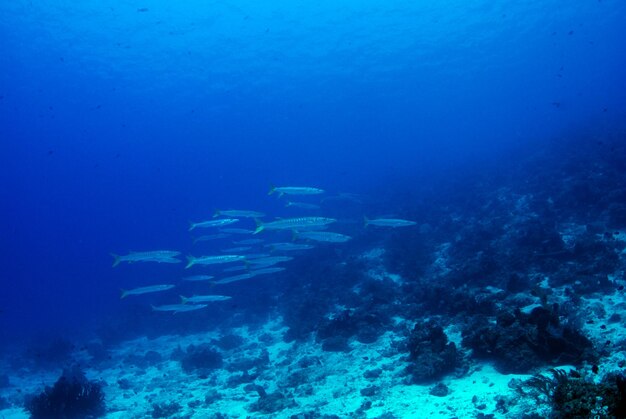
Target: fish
[
  {"x": 389, "y": 222},
  {"x": 265, "y": 271},
  {"x": 210, "y": 237},
  {"x": 146, "y": 290},
  {"x": 234, "y": 278},
  {"x": 179, "y": 308},
  {"x": 160, "y": 256},
  {"x": 287, "y": 247},
  {"x": 236, "y": 231},
  {"x": 235, "y": 268},
  {"x": 198, "y": 278},
  {"x": 236, "y": 249},
  {"x": 293, "y": 223},
  {"x": 322, "y": 236},
  {"x": 249, "y": 241},
  {"x": 302, "y": 205},
  {"x": 203, "y": 298},
  {"x": 238, "y": 213},
  {"x": 256, "y": 255},
  {"x": 213, "y": 260},
  {"x": 269, "y": 261},
  {"x": 212, "y": 223},
  {"x": 295, "y": 190}
]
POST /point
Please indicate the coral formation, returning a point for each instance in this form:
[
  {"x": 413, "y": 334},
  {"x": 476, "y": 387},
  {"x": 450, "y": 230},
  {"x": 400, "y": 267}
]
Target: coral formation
[{"x": 71, "y": 397}]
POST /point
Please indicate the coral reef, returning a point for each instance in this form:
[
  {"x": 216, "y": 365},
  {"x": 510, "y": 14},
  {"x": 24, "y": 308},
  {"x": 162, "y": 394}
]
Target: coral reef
[
  {"x": 519, "y": 342},
  {"x": 575, "y": 396},
  {"x": 431, "y": 355}
]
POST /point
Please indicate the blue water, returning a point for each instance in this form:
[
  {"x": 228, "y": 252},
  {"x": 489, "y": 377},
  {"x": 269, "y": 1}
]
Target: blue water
[{"x": 120, "y": 121}]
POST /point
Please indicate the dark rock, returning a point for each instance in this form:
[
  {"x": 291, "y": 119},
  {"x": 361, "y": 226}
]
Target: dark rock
[
  {"x": 211, "y": 397},
  {"x": 372, "y": 374},
  {"x": 269, "y": 403},
  {"x": 439, "y": 390},
  {"x": 165, "y": 410},
  {"x": 201, "y": 359},
  {"x": 229, "y": 342},
  {"x": 526, "y": 341},
  {"x": 336, "y": 344},
  {"x": 431, "y": 355},
  {"x": 124, "y": 384},
  {"x": 370, "y": 391}
]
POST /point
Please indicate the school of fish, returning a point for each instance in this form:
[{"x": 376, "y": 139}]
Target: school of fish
[{"x": 252, "y": 257}]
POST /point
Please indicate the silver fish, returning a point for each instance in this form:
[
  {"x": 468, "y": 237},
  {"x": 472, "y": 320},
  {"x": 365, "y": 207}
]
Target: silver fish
[
  {"x": 295, "y": 190},
  {"x": 160, "y": 256},
  {"x": 389, "y": 222},
  {"x": 179, "y": 308},
  {"x": 236, "y": 230},
  {"x": 269, "y": 261},
  {"x": 234, "y": 278},
  {"x": 293, "y": 223},
  {"x": 198, "y": 278},
  {"x": 239, "y": 213},
  {"x": 249, "y": 241},
  {"x": 213, "y": 260},
  {"x": 240, "y": 249},
  {"x": 266, "y": 271},
  {"x": 203, "y": 298},
  {"x": 146, "y": 290},
  {"x": 302, "y": 205},
  {"x": 323, "y": 236},
  {"x": 287, "y": 247},
  {"x": 235, "y": 268},
  {"x": 212, "y": 223}
]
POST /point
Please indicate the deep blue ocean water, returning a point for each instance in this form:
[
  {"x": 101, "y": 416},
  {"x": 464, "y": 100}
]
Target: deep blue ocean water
[{"x": 120, "y": 121}]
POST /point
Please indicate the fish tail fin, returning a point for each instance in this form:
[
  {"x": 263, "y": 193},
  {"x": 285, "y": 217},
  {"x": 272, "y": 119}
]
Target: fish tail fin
[
  {"x": 366, "y": 221},
  {"x": 183, "y": 299},
  {"x": 191, "y": 226},
  {"x": 190, "y": 262},
  {"x": 116, "y": 259},
  {"x": 123, "y": 293},
  {"x": 217, "y": 213},
  {"x": 272, "y": 189},
  {"x": 259, "y": 226}
]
